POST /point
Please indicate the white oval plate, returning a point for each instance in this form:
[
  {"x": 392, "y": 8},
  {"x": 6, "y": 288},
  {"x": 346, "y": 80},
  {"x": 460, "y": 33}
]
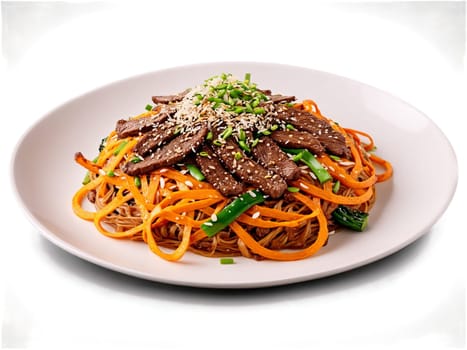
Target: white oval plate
[{"x": 46, "y": 176}]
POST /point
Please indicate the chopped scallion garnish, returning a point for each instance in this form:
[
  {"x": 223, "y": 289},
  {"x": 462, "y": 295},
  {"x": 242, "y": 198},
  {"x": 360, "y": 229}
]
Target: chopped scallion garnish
[
  {"x": 242, "y": 135},
  {"x": 243, "y": 145},
  {"x": 336, "y": 186},
  {"x": 227, "y": 133},
  {"x": 259, "y": 110},
  {"x": 247, "y": 78},
  {"x": 120, "y": 147},
  {"x": 227, "y": 261},
  {"x": 309, "y": 159},
  {"x": 137, "y": 181},
  {"x": 293, "y": 189},
  {"x": 195, "y": 172},
  {"x": 87, "y": 178}
]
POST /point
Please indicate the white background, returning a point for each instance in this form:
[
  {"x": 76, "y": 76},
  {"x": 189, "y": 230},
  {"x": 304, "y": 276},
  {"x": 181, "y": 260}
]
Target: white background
[{"x": 53, "y": 51}]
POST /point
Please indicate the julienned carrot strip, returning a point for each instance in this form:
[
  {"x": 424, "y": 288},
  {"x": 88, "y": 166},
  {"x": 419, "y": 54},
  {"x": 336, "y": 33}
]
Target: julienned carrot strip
[
  {"x": 109, "y": 208},
  {"x": 311, "y": 107},
  {"x": 146, "y": 114},
  {"x": 282, "y": 255},
  {"x": 246, "y": 219},
  {"x": 197, "y": 236},
  {"x": 193, "y": 194},
  {"x": 274, "y": 213},
  {"x": 183, "y": 178},
  {"x": 384, "y": 163},
  {"x": 144, "y": 186},
  {"x": 177, "y": 253},
  {"x": 340, "y": 174},
  {"x": 79, "y": 197},
  {"x": 174, "y": 213},
  {"x": 355, "y": 133},
  {"x": 330, "y": 196},
  {"x": 152, "y": 190},
  {"x": 117, "y": 158},
  {"x": 85, "y": 163}
]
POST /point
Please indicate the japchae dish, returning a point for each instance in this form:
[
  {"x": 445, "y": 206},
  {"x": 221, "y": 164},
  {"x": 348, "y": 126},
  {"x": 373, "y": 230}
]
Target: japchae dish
[{"x": 227, "y": 169}]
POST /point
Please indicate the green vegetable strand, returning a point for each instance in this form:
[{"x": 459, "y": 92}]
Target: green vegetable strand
[
  {"x": 195, "y": 172},
  {"x": 309, "y": 159},
  {"x": 351, "y": 218},
  {"x": 232, "y": 211},
  {"x": 227, "y": 261}
]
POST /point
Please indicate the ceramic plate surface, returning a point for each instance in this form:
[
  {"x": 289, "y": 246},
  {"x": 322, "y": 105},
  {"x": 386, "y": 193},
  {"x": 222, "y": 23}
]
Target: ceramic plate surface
[{"x": 46, "y": 176}]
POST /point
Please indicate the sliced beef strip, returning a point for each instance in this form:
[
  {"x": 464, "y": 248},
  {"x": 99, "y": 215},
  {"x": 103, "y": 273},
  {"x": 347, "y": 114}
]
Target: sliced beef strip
[
  {"x": 297, "y": 139},
  {"x": 265, "y": 91},
  {"x": 170, "y": 98},
  {"x": 154, "y": 139},
  {"x": 249, "y": 171},
  {"x": 269, "y": 155},
  {"x": 169, "y": 154},
  {"x": 216, "y": 174},
  {"x": 281, "y": 98},
  {"x": 333, "y": 141},
  {"x": 134, "y": 127}
]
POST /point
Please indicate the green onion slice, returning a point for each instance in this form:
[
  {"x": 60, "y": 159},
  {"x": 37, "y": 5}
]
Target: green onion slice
[
  {"x": 232, "y": 211},
  {"x": 120, "y": 147},
  {"x": 195, "y": 172},
  {"x": 309, "y": 159},
  {"x": 227, "y": 261}
]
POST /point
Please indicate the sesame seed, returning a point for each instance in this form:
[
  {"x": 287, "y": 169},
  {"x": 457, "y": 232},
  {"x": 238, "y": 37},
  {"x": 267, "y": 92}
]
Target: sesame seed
[
  {"x": 256, "y": 215},
  {"x": 344, "y": 163},
  {"x": 213, "y": 217},
  {"x": 189, "y": 183}
]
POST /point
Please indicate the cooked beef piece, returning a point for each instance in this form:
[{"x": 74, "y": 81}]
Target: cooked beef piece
[
  {"x": 169, "y": 154},
  {"x": 281, "y": 98},
  {"x": 153, "y": 139},
  {"x": 216, "y": 175},
  {"x": 249, "y": 171},
  {"x": 265, "y": 91},
  {"x": 297, "y": 139},
  {"x": 269, "y": 155},
  {"x": 333, "y": 141},
  {"x": 170, "y": 98},
  {"x": 133, "y": 127}
]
